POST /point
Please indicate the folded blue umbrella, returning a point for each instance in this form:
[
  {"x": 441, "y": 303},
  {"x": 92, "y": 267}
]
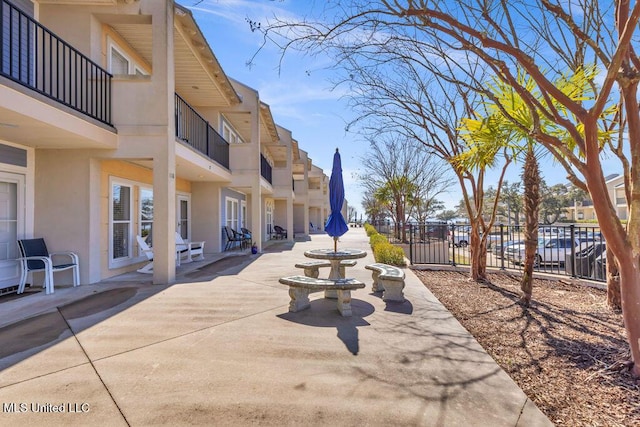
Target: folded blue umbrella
[{"x": 336, "y": 226}]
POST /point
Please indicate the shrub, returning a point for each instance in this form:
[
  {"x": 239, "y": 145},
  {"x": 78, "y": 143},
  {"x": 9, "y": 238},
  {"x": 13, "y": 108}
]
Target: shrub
[
  {"x": 377, "y": 238},
  {"x": 386, "y": 253},
  {"x": 369, "y": 229}
]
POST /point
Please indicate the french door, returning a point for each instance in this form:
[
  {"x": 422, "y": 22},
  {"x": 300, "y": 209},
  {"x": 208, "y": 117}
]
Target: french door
[
  {"x": 12, "y": 223},
  {"x": 183, "y": 215}
]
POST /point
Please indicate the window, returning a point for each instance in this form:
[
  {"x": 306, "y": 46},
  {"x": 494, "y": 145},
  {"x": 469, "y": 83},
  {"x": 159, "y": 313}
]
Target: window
[
  {"x": 269, "y": 216},
  {"x": 232, "y": 213},
  {"x": 243, "y": 209},
  {"x": 128, "y": 219},
  {"x": 229, "y": 134},
  {"x": 120, "y": 221},
  {"x": 146, "y": 215},
  {"x": 124, "y": 60},
  {"x": 118, "y": 63},
  {"x": 184, "y": 216}
]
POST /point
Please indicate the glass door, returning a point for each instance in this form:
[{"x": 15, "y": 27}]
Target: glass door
[
  {"x": 11, "y": 226},
  {"x": 183, "y": 215}
]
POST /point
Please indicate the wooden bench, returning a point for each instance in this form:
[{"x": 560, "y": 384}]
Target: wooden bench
[
  {"x": 301, "y": 286},
  {"x": 312, "y": 268},
  {"x": 388, "y": 279}
]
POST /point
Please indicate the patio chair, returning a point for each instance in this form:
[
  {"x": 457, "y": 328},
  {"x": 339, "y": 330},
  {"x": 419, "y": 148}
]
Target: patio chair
[
  {"x": 148, "y": 251},
  {"x": 191, "y": 251},
  {"x": 144, "y": 247},
  {"x": 246, "y": 234},
  {"x": 281, "y": 233},
  {"x": 35, "y": 257},
  {"x": 232, "y": 237},
  {"x": 241, "y": 238}
]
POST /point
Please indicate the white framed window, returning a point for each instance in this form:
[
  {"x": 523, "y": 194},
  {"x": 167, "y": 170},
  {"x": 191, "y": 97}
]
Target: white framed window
[
  {"x": 229, "y": 134},
  {"x": 119, "y": 62},
  {"x": 269, "y": 205},
  {"x": 243, "y": 212},
  {"x": 232, "y": 212},
  {"x": 226, "y": 132},
  {"x": 120, "y": 223},
  {"x": 145, "y": 210},
  {"x": 128, "y": 219},
  {"x": 12, "y": 225},
  {"x": 183, "y": 214}
]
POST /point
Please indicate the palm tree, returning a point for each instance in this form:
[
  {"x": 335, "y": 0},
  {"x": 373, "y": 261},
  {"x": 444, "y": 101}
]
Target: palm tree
[
  {"x": 511, "y": 122},
  {"x": 507, "y": 125},
  {"x": 397, "y": 195}
]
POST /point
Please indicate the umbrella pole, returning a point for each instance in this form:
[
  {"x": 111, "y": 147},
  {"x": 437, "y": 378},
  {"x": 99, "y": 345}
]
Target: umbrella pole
[{"x": 335, "y": 244}]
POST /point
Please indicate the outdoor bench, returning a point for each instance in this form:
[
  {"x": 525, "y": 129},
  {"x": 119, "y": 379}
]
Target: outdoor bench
[
  {"x": 389, "y": 279},
  {"x": 301, "y": 286},
  {"x": 312, "y": 268}
]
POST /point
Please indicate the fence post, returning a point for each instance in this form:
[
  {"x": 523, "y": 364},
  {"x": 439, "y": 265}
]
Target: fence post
[
  {"x": 453, "y": 247},
  {"x": 411, "y": 244},
  {"x": 573, "y": 250},
  {"x": 501, "y": 251}
]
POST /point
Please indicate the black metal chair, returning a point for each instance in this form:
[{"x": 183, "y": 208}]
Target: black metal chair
[
  {"x": 240, "y": 237},
  {"x": 281, "y": 233},
  {"x": 35, "y": 257},
  {"x": 248, "y": 237},
  {"x": 232, "y": 237}
]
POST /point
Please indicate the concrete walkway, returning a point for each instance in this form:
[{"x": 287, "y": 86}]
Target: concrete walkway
[{"x": 220, "y": 348}]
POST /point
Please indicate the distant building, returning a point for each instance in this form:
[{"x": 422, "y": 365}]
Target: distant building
[{"x": 583, "y": 209}]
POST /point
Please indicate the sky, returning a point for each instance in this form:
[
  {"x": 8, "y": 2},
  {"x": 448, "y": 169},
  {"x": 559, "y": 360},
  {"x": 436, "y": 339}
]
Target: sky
[{"x": 298, "y": 90}]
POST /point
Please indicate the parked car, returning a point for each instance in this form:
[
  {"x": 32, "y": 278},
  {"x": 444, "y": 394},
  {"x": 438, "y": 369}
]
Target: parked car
[
  {"x": 589, "y": 236},
  {"x": 499, "y": 251},
  {"x": 460, "y": 237},
  {"x": 551, "y": 231},
  {"x": 551, "y": 250}
]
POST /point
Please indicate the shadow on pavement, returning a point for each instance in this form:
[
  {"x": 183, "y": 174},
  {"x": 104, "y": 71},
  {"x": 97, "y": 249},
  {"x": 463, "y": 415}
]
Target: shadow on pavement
[
  {"x": 31, "y": 333},
  {"x": 324, "y": 314},
  {"x": 97, "y": 303},
  {"x": 227, "y": 266}
]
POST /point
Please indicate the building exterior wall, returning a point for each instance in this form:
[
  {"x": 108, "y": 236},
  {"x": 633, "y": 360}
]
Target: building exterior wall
[{"x": 68, "y": 189}]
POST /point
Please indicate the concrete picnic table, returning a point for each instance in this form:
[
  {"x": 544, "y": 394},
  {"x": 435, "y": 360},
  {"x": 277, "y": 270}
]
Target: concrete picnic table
[{"x": 335, "y": 257}]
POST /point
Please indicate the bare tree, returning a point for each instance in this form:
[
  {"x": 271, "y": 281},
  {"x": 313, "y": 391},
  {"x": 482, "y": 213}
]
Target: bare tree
[
  {"x": 543, "y": 39},
  {"x": 402, "y": 174},
  {"x": 410, "y": 100}
]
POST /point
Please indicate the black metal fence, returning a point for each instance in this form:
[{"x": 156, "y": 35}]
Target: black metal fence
[
  {"x": 195, "y": 131},
  {"x": 266, "y": 170},
  {"x": 568, "y": 250},
  {"x": 38, "y": 59}
]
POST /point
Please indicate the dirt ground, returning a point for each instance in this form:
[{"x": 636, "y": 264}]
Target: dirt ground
[{"x": 568, "y": 352}]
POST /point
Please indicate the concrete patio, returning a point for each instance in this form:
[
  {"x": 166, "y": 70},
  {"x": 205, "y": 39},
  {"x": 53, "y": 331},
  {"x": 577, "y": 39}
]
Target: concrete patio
[{"x": 220, "y": 348}]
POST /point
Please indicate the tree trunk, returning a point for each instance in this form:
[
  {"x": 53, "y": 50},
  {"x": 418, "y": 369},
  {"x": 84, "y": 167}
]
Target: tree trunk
[
  {"x": 531, "y": 178},
  {"x": 478, "y": 256},
  {"x": 630, "y": 293},
  {"x": 622, "y": 241},
  {"x": 613, "y": 283}
]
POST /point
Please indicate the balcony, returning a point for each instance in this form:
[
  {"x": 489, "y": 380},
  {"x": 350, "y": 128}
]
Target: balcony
[
  {"x": 195, "y": 131},
  {"x": 35, "y": 58},
  {"x": 266, "y": 171}
]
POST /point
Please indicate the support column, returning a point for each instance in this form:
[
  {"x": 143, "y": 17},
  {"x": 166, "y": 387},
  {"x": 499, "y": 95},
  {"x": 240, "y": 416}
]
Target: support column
[
  {"x": 290, "y": 218},
  {"x": 257, "y": 218},
  {"x": 164, "y": 217},
  {"x": 163, "y": 149},
  {"x": 306, "y": 218}
]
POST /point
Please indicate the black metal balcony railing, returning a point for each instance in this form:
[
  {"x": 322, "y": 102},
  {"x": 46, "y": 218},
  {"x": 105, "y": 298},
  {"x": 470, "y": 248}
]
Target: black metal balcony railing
[
  {"x": 36, "y": 58},
  {"x": 266, "y": 171},
  {"x": 193, "y": 129}
]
